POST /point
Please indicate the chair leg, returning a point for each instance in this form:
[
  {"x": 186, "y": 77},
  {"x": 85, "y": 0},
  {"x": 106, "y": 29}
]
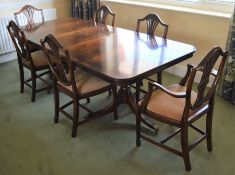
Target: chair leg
[
  {"x": 114, "y": 90},
  {"x": 21, "y": 69},
  {"x": 137, "y": 95},
  {"x": 209, "y": 119},
  {"x": 138, "y": 129},
  {"x": 185, "y": 149},
  {"x": 75, "y": 117},
  {"x": 88, "y": 100},
  {"x": 50, "y": 82},
  {"x": 57, "y": 103},
  {"x": 110, "y": 92},
  {"x": 159, "y": 77},
  {"x": 33, "y": 76}
]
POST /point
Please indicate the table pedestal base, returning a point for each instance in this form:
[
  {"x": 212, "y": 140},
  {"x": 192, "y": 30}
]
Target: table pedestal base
[{"x": 125, "y": 96}]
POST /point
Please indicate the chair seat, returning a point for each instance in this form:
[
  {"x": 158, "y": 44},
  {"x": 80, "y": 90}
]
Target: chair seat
[
  {"x": 167, "y": 106},
  {"x": 39, "y": 60},
  {"x": 86, "y": 83}
]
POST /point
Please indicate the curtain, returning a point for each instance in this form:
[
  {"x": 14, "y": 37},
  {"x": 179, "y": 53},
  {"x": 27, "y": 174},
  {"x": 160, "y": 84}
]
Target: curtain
[
  {"x": 227, "y": 85},
  {"x": 84, "y": 9}
]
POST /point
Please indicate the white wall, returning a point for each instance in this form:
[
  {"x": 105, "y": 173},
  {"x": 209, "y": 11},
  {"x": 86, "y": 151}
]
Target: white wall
[{"x": 202, "y": 31}]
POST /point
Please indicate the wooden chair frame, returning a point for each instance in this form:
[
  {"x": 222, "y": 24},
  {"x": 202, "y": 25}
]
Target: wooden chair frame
[
  {"x": 204, "y": 104},
  {"x": 61, "y": 66},
  {"x": 102, "y": 13},
  {"x": 24, "y": 48},
  {"x": 28, "y": 11},
  {"x": 152, "y": 21},
  {"x": 100, "y": 16}
]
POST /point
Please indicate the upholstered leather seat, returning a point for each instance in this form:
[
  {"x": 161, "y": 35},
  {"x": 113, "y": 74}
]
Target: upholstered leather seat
[
  {"x": 39, "y": 60},
  {"x": 86, "y": 83},
  {"x": 165, "y": 105}
]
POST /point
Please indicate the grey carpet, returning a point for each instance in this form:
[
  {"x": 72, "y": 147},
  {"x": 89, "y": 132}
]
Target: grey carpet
[{"x": 31, "y": 144}]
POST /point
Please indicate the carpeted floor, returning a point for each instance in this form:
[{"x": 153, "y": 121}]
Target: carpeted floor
[{"x": 31, "y": 144}]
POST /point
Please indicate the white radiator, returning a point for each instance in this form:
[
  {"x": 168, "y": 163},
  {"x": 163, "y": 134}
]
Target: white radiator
[{"x": 6, "y": 44}]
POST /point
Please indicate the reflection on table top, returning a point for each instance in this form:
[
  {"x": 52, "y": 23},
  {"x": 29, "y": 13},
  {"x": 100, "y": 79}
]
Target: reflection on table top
[{"x": 114, "y": 54}]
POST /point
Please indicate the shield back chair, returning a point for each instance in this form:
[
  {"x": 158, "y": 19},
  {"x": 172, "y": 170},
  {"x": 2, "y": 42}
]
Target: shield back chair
[
  {"x": 73, "y": 82},
  {"x": 102, "y": 13},
  {"x": 180, "y": 106},
  {"x": 100, "y": 16},
  {"x": 35, "y": 62},
  {"x": 27, "y": 13},
  {"x": 153, "y": 21}
]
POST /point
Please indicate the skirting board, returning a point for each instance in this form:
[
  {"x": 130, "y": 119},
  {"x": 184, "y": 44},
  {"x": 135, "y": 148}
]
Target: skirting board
[{"x": 8, "y": 57}]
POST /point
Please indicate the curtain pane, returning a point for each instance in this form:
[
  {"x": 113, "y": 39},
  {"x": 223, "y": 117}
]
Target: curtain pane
[
  {"x": 227, "y": 86},
  {"x": 84, "y": 9}
]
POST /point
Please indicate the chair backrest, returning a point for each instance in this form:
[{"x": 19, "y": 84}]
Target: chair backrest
[
  {"x": 204, "y": 93},
  {"x": 59, "y": 59},
  {"x": 152, "y": 21},
  {"x": 28, "y": 11},
  {"x": 102, "y": 13},
  {"x": 20, "y": 42}
]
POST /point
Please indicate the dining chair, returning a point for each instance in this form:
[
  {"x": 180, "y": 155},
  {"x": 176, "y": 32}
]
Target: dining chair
[
  {"x": 100, "y": 16},
  {"x": 34, "y": 61},
  {"x": 73, "y": 82},
  {"x": 28, "y": 11},
  {"x": 102, "y": 13},
  {"x": 180, "y": 106},
  {"x": 153, "y": 21}
]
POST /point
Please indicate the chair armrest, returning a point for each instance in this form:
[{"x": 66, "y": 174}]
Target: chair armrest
[
  {"x": 113, "y": 21},
  {"x": 214, "y": 72},
  {"x": 191, "y": 65},
  {"x": 173, "y": 94},
  {"x": 158, "y": 86},
  {"x": 185, "y": 79}
]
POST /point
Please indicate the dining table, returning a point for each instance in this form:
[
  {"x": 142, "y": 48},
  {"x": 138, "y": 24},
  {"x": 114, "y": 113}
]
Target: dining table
[{"x": 117, "y": 55}]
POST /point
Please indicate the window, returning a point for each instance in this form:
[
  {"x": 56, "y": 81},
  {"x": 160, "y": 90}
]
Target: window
[
  {"x": 231, "y": 1},
  {"x": 225, "y": 6},
  {"x": 205, "y": 1}
]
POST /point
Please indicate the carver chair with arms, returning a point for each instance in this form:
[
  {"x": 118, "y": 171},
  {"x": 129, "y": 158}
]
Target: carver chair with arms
[
  {"x": 75, "y": 83},
  {"x": 29, "y": 58},
  {"x": 180, "y": 106}
]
